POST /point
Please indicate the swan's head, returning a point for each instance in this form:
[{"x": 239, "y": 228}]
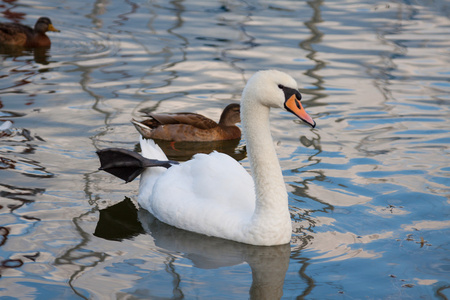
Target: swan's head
[{"x": 276, "y": 89}]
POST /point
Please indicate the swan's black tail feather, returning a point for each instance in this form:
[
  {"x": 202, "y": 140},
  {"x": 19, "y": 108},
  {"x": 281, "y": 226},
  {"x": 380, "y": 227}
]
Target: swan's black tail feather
[{"x": 126, "y": 164}]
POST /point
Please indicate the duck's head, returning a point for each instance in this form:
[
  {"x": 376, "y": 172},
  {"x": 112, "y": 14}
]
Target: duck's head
[
  {"x": 43, "y": 25},
  {"x": 231, "y": 115},
  {"x": 276, "y": 89}
]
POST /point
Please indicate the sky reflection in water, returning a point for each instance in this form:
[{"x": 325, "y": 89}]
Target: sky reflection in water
[{"x": 368, "y": 186}]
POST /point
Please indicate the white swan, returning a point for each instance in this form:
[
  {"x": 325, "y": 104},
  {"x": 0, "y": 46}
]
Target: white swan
[{"x": 213, "y": 194}]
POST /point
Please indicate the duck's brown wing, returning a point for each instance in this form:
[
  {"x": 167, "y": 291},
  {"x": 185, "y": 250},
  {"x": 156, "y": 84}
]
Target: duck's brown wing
[
  {"x": 14, "y": 34},
  {"x": 191, "y": 119}
]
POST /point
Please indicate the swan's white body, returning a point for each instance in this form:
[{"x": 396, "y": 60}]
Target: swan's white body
[{"x": 213, "y": 194}]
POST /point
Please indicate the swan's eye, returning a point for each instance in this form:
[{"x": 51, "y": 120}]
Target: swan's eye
[{"x": 281, "y": 86}]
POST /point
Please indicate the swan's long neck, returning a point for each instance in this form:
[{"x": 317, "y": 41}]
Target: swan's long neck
[{"x": 271, "y": 196}]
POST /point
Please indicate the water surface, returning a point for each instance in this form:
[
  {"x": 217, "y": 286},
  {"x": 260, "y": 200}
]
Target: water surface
[{"x": 368, "y": 187}]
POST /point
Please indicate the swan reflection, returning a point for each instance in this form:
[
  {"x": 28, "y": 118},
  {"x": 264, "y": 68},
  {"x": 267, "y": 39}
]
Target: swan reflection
[{"x": 268, "y": 264}]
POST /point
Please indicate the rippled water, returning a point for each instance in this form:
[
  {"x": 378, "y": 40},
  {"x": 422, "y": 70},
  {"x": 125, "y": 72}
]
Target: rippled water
[{"x": 368, "y": 187}]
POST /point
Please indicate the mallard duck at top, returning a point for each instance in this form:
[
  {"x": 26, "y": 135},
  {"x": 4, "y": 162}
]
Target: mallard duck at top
[
  {"x": 14, "y": 34},
  {"x": 191, "y": 127},
  {"x": 213, "y": 194}
]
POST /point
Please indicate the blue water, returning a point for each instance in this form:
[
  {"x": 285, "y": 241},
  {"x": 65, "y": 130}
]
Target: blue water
[{"x": 368, "y": 187}]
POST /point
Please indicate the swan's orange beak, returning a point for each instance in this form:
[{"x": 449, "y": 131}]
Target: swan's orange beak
[{"x": 294, "y": 105}]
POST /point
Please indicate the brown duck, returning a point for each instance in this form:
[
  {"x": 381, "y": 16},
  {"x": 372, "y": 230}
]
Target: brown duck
[
  {"x": 21, "y": 35},
  {"x": 191, "y": 127}
]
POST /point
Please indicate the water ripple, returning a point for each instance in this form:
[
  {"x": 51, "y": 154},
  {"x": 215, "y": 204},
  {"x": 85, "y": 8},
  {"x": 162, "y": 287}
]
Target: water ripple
[{"x": 84, "y": 44}]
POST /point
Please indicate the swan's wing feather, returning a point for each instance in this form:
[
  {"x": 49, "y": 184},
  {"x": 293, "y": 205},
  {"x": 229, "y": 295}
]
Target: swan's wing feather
[
  {"x": 197, "y": 195},
  {"x": 151, "y": 150}
]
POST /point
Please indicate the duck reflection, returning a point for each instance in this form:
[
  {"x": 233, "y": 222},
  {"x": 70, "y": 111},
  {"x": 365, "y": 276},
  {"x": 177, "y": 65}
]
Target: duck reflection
[
  {"x": 183, "y": 151},
  {"x": 40, "y": 55},
  {"x": 268, "y": 264}
]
